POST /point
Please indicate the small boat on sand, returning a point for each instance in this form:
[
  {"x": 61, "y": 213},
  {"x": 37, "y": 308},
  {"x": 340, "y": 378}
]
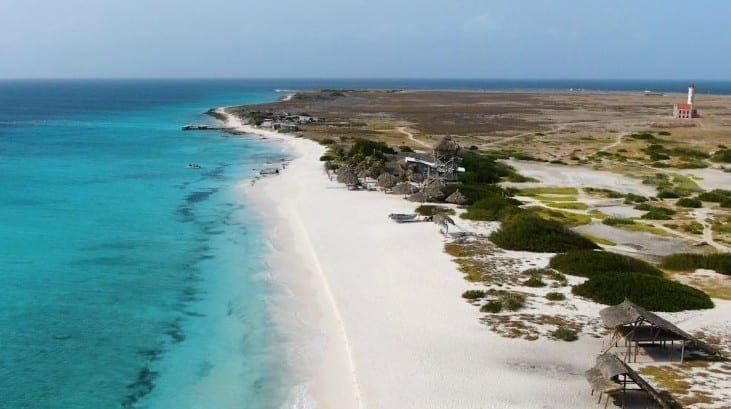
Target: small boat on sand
[{"x": 403, "y": 217}]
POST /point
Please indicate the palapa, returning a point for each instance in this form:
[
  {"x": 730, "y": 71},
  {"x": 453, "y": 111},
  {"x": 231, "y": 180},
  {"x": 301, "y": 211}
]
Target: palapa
[
  {"x": 441, "y": 218},
  {"x": 457, "y": 198},
  {"x": 433, "y": 190},
  {"x": 420, "y": 197},
  {"x": 447, "y": 146},
  {"x": 347, "y": 175},
  {"x": 638, "y": 325},
  {"x": 605, "y": 376},
  {"x": 404, "y": 188},
  {"x": 387, "y": 180}
]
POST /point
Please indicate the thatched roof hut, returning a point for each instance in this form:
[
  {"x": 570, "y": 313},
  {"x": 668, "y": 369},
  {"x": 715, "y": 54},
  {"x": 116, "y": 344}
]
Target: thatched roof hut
[
  {"x": 387, "y": 180},
  {"x": 640, "y": 326},
  {"x": 404, "y": 188},
  {"x": 347, "y": 175},
  {"x": 457, "y": 198},
  {"x": 610, "y": 375},
  {"x": 447, "y": 147},
  {"x": 433, "y": 190},
  {"x": 420, "y": 197}
]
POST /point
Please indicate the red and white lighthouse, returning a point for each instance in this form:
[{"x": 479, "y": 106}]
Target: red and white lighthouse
[{"x": 686, "y": 110}]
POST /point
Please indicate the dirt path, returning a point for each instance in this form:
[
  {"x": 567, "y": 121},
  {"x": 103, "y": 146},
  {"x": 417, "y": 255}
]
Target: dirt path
[
  {"x": 410, "y": 135},
  {"x": 615, "y": 143}
]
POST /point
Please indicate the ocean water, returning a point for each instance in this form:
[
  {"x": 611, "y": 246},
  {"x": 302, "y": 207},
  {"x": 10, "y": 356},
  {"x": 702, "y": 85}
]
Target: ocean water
[{"x": 128, "y": 280}]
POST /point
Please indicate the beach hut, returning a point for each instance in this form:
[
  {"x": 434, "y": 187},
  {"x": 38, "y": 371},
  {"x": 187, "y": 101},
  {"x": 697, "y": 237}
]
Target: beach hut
[
  {"x": 347, "y": 176},
  {"x": 433, "y": 190},
  {"x": 457, "y": 198},
  {"x": 420, "y": 197},
  {"x": 404, "y": 188},
  {"x": 387, "y": 180},
  {"x": 611, "y": 376},
  {"x": 637, "y": 326}
]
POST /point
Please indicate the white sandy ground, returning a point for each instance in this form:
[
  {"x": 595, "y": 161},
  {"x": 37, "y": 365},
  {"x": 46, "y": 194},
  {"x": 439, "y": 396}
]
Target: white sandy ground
[{"x": 372, "y": 309}]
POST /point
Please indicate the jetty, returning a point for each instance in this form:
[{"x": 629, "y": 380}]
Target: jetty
[{"x": 192, "y": 127}]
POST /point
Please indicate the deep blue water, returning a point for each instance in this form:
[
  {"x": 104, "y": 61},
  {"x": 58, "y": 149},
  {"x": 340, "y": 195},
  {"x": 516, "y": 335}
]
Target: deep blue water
[{"x": 129, "y": 280}]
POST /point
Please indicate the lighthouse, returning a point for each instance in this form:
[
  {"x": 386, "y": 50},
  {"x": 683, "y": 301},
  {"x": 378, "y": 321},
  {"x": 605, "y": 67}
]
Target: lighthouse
[
  {"x": 691, "y": 93},
  {"x": 685, "y": 109}
]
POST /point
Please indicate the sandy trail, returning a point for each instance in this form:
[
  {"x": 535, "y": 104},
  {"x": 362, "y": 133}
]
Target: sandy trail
[{"x": 410, "y": 135}]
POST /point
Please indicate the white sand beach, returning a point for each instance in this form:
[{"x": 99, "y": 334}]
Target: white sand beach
[{"x": 372, "y": 311}]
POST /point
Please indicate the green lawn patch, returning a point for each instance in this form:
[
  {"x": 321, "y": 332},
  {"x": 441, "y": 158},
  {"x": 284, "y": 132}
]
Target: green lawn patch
[
  {"x": 567, "y": 218},
  {"x": 599, "y": 240},
  {"x": 548, "y": 190},
  {"x": 588, "y": 263},
  {"x": 568, "y": 205},
  {"x": 649, "y": 291}
]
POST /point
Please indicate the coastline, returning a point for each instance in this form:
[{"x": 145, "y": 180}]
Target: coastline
[{"x": 373, "y": 308}]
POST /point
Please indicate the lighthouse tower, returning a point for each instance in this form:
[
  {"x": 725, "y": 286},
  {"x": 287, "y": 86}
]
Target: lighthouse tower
[
  {"x": 691, "y": 94},
  {"x": 686, "y": 110}
]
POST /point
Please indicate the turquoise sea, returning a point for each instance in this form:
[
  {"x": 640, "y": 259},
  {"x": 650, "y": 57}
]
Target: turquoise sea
[{"x": 128, "y": 280}]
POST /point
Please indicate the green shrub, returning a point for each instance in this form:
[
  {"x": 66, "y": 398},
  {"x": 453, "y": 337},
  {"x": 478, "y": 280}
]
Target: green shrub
[
  {"x": 327, "y": 141},
  {"x": 473, "y": 294},
  {"x": 723, "y": 156},
  {"x": 719, "y": 262},
  {"x": 555, "y": 296},
  {"x": 481, "y": 168},
  {"x": 431, "y": 210},
  {"x": 664, "y": 133},
  {"x": 617, "y": 221},
  {"x": 526, "y": 231},
  {"x": 668, "y": 194},
  {"x": 365, "y": 148},
  {"x": 588, "y": 263},
  {"x": 492, "y": 208},
  {"x": 658, "y": 213},
  {"x": 652, "y": 292},
  {"x": 534, "y": 281},
  {"x": 565, "y": 333},
  {"x": 326, "y": 158},
  {"x": 493, "y": 306},
  {"x": 633, "y": 198},
  {"x": 642, "y": 136},
  {"x": 513, "y": 301},
  {"x": 689, "y": 202},
  {"x": 405, "y": 148},
  {"x": 715, "y": 195},
  {"x": 549, "y": 273}
]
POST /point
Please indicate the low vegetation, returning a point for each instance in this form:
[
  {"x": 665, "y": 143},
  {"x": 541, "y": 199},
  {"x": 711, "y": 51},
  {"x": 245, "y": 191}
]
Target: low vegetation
[
  {"x": 649, "y": 291},
  {"x": 689, "y": 202},
  {"x": 555, "y": 296},
  {"x": 473, "y": 294},
  {"x": 720, "y": 262},
  {"x": 588, "y": 263},
  {"x": 431, "y": 210},
  {"x": 527, "y": 231},
  {"x": 565, "y": 333}
]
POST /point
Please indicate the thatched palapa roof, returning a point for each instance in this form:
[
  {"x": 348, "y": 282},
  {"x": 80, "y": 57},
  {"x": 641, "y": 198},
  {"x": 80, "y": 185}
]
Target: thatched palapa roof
[
  {"x": 604, "y": 378},
  {"x": 441, "y": 218},
  {"x": 447, "y": 145},
  {"x": 347, "y": 175},
  {"x": 627, "y": 317},
  {"x": 387, "y": 180},
  {"x": 457, "y": 198},
  {"x": 433, "y": 190},
  {"x": 418, "y": 197},
  {"x": 404, "y": 188}
]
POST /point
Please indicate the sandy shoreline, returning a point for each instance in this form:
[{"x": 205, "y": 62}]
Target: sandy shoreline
[
  {"x": 372, "y": 310},
  {"x": 384, "y": 300}
]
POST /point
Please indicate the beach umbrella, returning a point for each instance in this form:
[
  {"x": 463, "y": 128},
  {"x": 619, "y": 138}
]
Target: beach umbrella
[
  {"x": 441, "y": 218},
  {"x": 404, "y": 188},
  {"x": 387, "y": 180},
  {"x": 420, "y": 197},
  {"x": 347, "y": 175},
  {"x": 447, "y": 146},
  {"x": 457, "y": 198}
]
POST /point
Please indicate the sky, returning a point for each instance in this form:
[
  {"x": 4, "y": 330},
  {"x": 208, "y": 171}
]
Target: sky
[{"x": 620, "y": 39}]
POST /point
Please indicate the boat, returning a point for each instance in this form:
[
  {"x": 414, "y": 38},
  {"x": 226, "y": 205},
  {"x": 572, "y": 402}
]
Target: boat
[
  {"x": 403, "y": 217},
  {"x": 193, "y": 165}
]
